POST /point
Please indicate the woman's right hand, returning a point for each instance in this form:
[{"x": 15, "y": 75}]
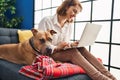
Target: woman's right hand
[{"x": 62, "y": 45}]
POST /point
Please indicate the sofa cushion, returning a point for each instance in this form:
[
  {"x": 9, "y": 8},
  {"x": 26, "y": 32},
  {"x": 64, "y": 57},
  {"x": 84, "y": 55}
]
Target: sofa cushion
[
  {"x": 9, "y": 71},
  {"x": 8, "y": 36}
]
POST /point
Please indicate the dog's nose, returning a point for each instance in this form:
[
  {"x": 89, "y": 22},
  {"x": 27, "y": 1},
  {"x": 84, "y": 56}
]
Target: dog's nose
[{"x": 48, "y": 50}]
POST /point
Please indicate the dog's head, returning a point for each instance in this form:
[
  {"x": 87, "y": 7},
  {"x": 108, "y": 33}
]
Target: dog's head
[{"x": 41, "y": 41}]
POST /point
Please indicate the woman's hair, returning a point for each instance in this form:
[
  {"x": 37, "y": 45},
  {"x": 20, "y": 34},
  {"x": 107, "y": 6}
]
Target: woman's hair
[{"x": 61, "y": 10}]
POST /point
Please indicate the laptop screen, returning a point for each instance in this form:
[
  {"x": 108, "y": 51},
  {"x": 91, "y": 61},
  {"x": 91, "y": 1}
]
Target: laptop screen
[{"x": 89, "y": 34}]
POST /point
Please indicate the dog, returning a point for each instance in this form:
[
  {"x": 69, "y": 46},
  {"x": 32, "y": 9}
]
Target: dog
[{"x": 26, "y": 52}]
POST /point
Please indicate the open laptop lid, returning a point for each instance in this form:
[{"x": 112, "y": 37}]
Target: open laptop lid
[{"x": 89, "y": 34}]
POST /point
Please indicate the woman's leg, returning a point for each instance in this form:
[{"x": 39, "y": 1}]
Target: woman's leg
[
  {"x": 93, "y": 60},
  {"x": 75, "y": 57}
]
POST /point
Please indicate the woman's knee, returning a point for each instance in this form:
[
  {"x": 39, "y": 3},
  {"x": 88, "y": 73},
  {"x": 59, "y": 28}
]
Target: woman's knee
[{"x": 66, "y": 55}]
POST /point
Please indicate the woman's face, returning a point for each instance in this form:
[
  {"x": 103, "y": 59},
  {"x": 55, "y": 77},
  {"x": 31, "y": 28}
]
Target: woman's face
[{"x": 72, "y": 11}]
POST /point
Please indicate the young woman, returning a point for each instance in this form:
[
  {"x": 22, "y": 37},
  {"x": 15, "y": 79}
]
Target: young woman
[{"x": 61, "y": 22}]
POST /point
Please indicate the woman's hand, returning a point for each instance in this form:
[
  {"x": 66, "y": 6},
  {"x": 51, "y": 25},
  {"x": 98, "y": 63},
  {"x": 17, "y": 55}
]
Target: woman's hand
[
  {"x": 74, "y": 44},
  {"x": 62, "y": 45}
]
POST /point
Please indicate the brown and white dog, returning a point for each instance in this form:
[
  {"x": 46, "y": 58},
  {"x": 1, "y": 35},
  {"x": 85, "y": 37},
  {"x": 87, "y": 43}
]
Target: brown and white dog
[{"x": 25, "y": 53}]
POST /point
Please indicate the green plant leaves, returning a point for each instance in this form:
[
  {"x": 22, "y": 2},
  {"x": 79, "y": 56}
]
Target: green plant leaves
[{"x": 5, "y": 20}]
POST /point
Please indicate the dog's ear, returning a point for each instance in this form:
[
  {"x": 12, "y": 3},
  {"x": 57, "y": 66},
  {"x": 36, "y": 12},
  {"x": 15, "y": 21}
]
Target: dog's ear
[
  {"x": 34, "y": 31},
  {"x": 52, "y": 32}
]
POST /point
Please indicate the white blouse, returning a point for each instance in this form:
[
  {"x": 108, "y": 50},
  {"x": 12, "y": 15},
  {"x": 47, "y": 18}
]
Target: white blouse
[{"x": 51, "y": 23}]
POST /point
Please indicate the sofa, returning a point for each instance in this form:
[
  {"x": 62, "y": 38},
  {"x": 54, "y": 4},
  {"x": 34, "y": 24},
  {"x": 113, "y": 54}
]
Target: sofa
[{"x": 9, "y": 70}]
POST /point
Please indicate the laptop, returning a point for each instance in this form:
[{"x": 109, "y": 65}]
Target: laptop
[{"x": 89, "y": 34}]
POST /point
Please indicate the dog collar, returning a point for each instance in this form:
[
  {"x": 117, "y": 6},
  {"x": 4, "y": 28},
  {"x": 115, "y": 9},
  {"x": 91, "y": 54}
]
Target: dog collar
[{"x": 32, "y": 45}]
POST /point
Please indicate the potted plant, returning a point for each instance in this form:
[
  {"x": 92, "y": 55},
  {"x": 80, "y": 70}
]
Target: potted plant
[{"x": 7, "y": 14}]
